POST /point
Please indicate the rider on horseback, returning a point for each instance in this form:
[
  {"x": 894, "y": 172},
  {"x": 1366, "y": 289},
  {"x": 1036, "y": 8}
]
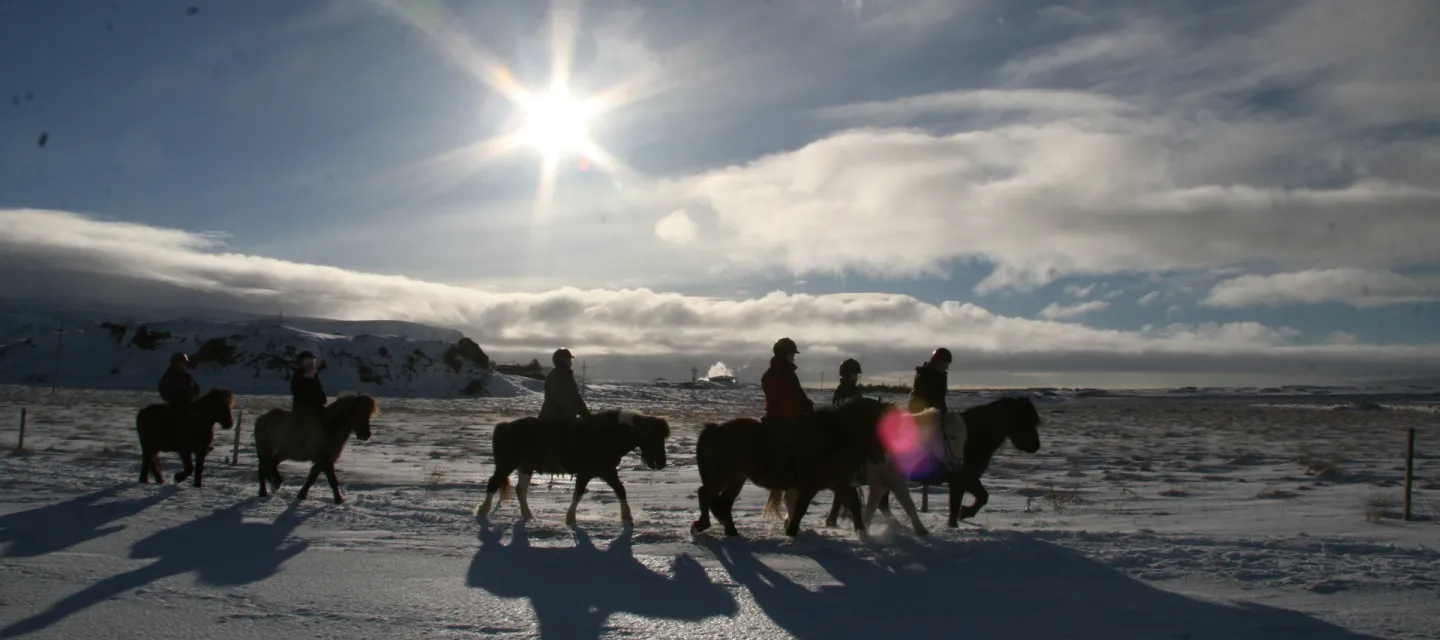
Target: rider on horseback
[
  {"x": 307, "y": 395},
  {"x": 849, "y": 381},
  {"x": 562, "y": 395},
  {"x": 928, "y": 390},
  {"x": 785, "y": 399},
  {"x": 178, "y": 387}
]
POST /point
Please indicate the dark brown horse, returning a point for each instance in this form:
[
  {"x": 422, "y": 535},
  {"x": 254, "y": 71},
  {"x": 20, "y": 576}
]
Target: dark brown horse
[
  {"x": 823, "y": 450},
  {"x": 986, "y": 427},
  {"x": 189, "y": 434},
  {"x": 278, "y": 439},
  {"x": 588, "y": 448}
]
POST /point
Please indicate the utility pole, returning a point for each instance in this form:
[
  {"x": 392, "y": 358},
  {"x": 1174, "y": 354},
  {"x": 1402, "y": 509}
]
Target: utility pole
[
  {"x": 583, "y": 376},
  {"x": 822, "y": 380},
  {"x": 59, "y": 344},
  {"x": 694, "y": 373}
]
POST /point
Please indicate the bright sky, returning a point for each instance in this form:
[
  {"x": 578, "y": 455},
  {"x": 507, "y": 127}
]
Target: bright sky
[{"x": 1092, "y": 194}]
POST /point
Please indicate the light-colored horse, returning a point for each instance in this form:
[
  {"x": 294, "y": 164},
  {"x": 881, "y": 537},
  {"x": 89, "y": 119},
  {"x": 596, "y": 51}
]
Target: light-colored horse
[{"x": 945, "y": 445}]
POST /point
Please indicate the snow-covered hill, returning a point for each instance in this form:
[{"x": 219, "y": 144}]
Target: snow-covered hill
[{"x": 248, "y": 356}]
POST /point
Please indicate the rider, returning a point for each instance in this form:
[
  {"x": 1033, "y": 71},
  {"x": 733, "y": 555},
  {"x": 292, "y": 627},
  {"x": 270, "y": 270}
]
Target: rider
[
  {"x": 562, "y": 395},
  {"x": 307, "y": 395},
  {"x": 178, "y": 387},
  {"x": 785, "y": 399},
  {"x": 928, "y": 390},
  {"x": 849, "y": 377}
]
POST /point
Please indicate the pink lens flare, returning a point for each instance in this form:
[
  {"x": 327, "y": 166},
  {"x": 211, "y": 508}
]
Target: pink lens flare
[{"x": 909, "y": 443}]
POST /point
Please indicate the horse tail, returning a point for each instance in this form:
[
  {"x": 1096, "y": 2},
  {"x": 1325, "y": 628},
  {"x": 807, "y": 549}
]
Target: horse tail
[{"x": 772, "y": 506}]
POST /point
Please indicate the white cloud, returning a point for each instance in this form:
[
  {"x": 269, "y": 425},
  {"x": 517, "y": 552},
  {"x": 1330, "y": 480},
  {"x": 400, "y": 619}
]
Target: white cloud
[
  {"x": 1355, "y": 287},
  {"x": 1033, "y": 101},
  {"x": 677, "y": 228},
  {"x": 1078, "y": 291},
  {"x": 1148, "y": 299},
  {"x": 1057, "y": 311},
  {"x": 62, "y": 254}
]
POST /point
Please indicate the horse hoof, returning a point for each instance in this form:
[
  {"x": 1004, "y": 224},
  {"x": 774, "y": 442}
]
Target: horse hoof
[
  {"x": 952, "y": 524},
  {"x": 832, "y": 524},
  {"x": 922, "y": 532},
  {"x": 697, "y": 526},
  {"x": 339, "y": 501}
]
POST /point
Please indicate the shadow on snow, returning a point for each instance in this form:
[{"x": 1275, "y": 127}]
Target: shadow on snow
[
  {"x": 220, "y": 548},
  {"x": 573, "y": 590},
  {"x": 62, "y": 525},
  {"x": 1006, "y": 585}
]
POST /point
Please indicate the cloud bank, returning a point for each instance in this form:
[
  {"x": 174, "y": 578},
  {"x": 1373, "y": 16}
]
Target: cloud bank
[{"x": 70, "y": 255}]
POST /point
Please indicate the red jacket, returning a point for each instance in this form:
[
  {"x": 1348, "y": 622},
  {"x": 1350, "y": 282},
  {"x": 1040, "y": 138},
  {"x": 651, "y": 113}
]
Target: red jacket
[{"x": 785, "y": 399}]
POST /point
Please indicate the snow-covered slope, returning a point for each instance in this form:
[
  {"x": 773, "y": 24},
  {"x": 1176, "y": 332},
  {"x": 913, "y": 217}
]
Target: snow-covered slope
[{"x": 251, "y": 356}]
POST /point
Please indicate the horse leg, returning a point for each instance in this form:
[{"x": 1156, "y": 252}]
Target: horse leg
[
  {"x": 972, "y": 484},
  {"x": 834, "y": 518},
  {"x": 145, "y": 466},
  {"x": 499, "y": 481},
  {"x": 581, "y": 480},
  {"x": 154, "y": 461},
  {"x": 613, "y": 479},
  {"x": 802, "y": 502},
  {"x": 189, "y": 462},
  {"x": 703, "y": 522},
  {"x": 334, "y": 483},
  {"x": 200, "y": 466},
  {"x": 261, "y": 467},
  {"x": 309, "y": 480},
  {"x": 852, "y": 504},
  {"x": 723, "y": 506},
  {"x": 522, "y": 493},
  {"x": 901, "y": 490}
]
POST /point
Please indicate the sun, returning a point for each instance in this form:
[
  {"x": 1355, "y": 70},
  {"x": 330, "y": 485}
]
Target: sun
[{"x": 556, "y": 123}]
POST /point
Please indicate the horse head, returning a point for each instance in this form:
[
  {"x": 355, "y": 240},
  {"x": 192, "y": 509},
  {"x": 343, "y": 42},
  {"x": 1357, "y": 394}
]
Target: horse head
[
  {"x": 1021, "y": 424},
  {"x": 649, "y": 433},
  {"x": 859, "y": 418},
  {"x": 217, "y": 405},
  {"x": 354, "y": 413}
]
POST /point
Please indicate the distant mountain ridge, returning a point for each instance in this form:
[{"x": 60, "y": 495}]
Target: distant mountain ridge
[{"x": 386, "y": 358}]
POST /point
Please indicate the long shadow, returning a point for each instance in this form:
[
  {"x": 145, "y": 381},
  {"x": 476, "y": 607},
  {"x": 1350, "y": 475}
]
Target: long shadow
[
  {"x": 220, "y": 548},
  {"x": 1006, "y": 585},
  {"x": 574, "y": 590},
  {"x": 62, "y": 525}
]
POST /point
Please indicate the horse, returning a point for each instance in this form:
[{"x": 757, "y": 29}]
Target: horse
[
  {"x": 821, "y": 450},
  {"x": 587, "y": 448},
  {"x": 189, "y": 434},
  {"x": 985, "y": 427},
  {"x": 320, "y": 443}
]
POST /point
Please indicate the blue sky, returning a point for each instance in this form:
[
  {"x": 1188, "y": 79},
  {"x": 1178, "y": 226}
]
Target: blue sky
[{"x": 1192, "y": 191}]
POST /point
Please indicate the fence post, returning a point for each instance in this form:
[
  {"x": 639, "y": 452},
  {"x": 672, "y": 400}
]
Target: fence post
[
  {"x": 925, "y": 498},
  {"x": 235, "y": 453},
  {"x": 21, "y": 446},
  {"x": 1409, "y": 470}
]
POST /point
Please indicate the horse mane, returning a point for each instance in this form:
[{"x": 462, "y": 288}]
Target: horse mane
[
  {"x": 635, "y": 419},
  {"x": 348, "y": 402},
  {"x": 227, "y": 395}
]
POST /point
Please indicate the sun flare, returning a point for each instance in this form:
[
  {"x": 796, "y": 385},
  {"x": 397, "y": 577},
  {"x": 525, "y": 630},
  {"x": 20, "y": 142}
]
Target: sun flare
[{"x": 556, "y": 123}]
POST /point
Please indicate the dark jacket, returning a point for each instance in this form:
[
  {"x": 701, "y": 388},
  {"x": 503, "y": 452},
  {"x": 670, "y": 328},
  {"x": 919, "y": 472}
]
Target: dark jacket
[
  {"x": 928, "y": 390},
  {"x": 846, "y": 390},
  {"x": 178, "y": 386},
  {"x": 785, "y": 399},
  {"x": 307, "y": 395},
  {"x": 562, "y": 397}
]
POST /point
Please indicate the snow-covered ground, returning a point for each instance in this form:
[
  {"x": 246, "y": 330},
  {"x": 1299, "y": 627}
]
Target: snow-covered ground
[{"x": 1140, "y": 517}]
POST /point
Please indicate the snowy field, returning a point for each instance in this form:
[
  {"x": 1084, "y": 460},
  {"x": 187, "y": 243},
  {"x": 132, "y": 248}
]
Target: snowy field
[{"x": 1164, "y": 518}]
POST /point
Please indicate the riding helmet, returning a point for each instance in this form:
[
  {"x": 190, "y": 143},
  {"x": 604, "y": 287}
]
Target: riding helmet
[
  {"x": 178, "y": 358},
  {"x": 303, "y": 355},
  {"x": 785, "y": 346},
  {"x": 941, "y": 355},
  {"x": 849, "y": 367},
  {"x": 561, "y": 354}
]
